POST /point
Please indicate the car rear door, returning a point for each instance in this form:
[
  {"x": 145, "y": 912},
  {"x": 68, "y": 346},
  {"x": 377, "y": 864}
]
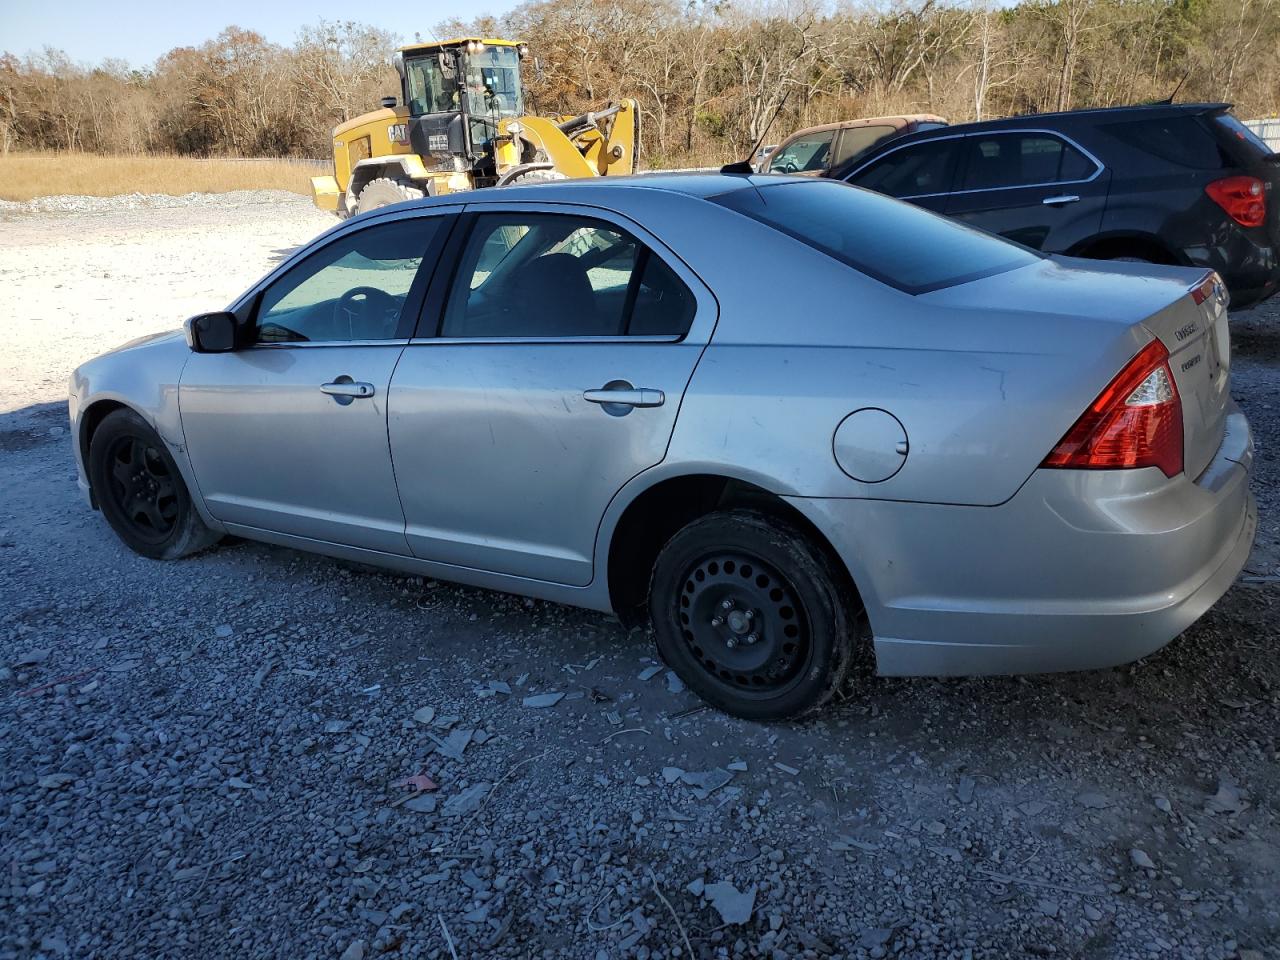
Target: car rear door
[
  {"x": 1035, "y": 187},
  {"x": 546, "y": 374}
]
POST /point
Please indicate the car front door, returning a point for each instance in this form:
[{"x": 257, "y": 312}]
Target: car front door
[
  {"x": 545, "y": 376},
  {"x": 289, "y": 433},
  {"x": 1032, "y": 186},
  {"x": 921, "y": 172}
]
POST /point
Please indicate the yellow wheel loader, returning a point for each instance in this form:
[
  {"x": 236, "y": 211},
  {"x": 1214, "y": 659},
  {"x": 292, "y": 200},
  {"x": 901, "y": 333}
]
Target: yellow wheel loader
[{"x": 460, "y": 124}]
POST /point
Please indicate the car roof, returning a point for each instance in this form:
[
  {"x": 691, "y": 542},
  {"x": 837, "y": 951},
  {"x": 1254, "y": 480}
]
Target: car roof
[
  {"x": 898, "y": 120},
  {"x": 1131, "y": 111},
  {"x": 1062, "y": 118},
  {"x": 694, "y": 184}
]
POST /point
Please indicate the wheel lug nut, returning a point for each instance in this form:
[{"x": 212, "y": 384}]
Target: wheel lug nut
[
  {"x": 717, "y": 621},
  {"x": 731, "y": 643},
  {"x": 750, "y": 614},
  {"x": 752, "y": 638},
  {"x": 727, "y": 604}
]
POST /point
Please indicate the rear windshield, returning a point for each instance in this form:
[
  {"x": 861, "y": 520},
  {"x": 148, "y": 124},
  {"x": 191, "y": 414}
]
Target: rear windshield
[
  {"x": 1245, "y": 142},
  {"x": 894, "y": 242}
]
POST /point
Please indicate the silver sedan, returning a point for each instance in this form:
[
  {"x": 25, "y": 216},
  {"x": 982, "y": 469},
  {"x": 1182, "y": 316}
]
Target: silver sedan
[{"x": 773, "y": 417}]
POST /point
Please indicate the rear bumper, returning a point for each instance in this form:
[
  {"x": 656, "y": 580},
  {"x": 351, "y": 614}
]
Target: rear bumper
[
  {"x": 1246, "y": 259},
  {"x": 1080, "y": 570}
]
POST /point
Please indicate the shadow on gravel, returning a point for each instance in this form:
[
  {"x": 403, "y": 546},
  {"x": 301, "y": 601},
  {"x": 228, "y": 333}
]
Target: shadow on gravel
[
  {"x": 1255, "y": 333},
  {"x": 280, "y": 255},
  {"x": 31, "y": 426}
]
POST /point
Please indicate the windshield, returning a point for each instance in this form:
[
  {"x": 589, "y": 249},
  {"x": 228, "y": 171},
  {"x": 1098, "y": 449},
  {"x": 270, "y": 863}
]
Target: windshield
[
  {"x": 493, "y": 82},
  {"x": 430, "y": 90}
]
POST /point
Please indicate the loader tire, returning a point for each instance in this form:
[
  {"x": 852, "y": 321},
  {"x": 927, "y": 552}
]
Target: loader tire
[
  {"x": 540, "y": 173},
  {"x": 384, "y": 191}
]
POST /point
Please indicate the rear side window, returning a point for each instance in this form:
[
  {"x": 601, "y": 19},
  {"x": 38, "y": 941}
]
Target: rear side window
[
  {"x": 896, "y": 243},
  {"x": 1178, "y": 139},
  {"x": 535, "y": 275},
  {"x": 913, "y": 171},
  {"x": 1001, "y": 160}
]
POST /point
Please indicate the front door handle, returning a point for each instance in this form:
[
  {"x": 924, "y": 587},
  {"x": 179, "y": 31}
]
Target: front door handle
[
  {"x": 626, "y": 397},
  {"x": 1060, "y": 200},
  {"x": 348, "y": 389}
]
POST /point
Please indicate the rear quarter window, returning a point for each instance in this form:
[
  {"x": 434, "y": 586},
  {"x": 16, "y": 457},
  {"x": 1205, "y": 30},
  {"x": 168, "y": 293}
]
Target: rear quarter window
[
  {"x": 893, "y": 242},
  {"x": 1181, "y": 140},
  {"x": 1241, "y": 141}
]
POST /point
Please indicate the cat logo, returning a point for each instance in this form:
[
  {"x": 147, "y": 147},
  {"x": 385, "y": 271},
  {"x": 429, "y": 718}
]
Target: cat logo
[{"x": 398, "y": 133}]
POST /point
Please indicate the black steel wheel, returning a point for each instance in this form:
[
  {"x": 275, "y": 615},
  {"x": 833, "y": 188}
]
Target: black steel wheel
[
  {"x": 750, "y": 614},
  {"x": 140, "y": 491}
]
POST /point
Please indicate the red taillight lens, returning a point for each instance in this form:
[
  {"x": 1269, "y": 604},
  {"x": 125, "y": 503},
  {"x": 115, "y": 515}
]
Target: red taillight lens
[
  {"x": 1243, "y": 198},
  {"x": 1135, "y": 422}
]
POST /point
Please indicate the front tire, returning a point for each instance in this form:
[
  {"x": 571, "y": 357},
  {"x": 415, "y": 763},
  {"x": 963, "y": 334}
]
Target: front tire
[
  {"x": 140, "y": 491},
  {"x": 752, "y": 616}
]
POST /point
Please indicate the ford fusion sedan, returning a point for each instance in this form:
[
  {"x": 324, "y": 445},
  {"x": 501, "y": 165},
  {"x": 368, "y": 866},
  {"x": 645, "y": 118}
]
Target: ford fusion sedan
[{"x": 780, "y": 419}]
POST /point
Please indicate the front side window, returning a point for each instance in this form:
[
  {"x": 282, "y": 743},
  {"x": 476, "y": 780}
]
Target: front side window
[
  {"x": 809, "y": 152},
  {"x": 914, "y": 171},
  {"x": 1021, "y": 160},
  {"x": 352, "y": 289},
  {"x": 896, "y": 243},
  {"x": 493, "y": 82},
  {"x": 550, "y": 275}
]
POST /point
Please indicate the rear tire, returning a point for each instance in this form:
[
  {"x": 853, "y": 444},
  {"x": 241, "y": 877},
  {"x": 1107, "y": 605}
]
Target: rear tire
[
  {"x": 140, "y": 491},
  {"x": 752, "y": 616},
  {"x": 384, "y": 191}
]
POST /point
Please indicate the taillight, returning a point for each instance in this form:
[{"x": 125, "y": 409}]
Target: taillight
[
  {"x": 1206, "y": 289},
  {"x": 1135, "y": 422},
  {"x": 1243, "y": 198}
]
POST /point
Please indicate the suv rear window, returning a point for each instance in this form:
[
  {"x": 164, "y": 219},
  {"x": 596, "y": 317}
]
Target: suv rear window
[
  {"x": 896, "y": 243},
  {"x": 1177, "y": 139},
  {"x": 1243, "y": 140}
]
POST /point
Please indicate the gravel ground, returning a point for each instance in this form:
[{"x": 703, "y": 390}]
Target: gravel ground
[{"x": 214, "y": 757}]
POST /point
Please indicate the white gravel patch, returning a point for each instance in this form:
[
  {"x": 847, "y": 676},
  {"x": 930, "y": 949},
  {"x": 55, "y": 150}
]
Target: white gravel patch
[{"x": 123, "y": 267}]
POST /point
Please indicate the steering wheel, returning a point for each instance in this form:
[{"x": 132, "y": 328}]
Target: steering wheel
[
  {"x": 787, "y": 165},
  {"x": 375, "y": 313}
]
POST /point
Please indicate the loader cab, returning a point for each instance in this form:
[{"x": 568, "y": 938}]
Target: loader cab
[{"x": 456, "y": 93}]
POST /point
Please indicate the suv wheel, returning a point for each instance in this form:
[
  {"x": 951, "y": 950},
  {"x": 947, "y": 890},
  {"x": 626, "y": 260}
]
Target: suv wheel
[{"x": 751, "y": 615}]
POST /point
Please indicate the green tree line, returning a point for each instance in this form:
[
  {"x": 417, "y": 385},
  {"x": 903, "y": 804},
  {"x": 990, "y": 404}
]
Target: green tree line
[{"x": 711, "y": 77}]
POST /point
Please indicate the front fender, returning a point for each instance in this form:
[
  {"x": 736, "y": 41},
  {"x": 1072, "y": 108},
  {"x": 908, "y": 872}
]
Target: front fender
[{"x": 143, "y": 377}]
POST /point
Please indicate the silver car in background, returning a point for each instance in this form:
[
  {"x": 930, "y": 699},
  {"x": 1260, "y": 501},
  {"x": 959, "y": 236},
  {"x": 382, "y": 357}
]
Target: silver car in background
[{"x": 761, "y": 413}]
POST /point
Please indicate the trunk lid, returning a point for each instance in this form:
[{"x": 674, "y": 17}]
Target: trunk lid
[
  {"x": 1098, "y": 314},
  {"x": 1195, "y": 332}
]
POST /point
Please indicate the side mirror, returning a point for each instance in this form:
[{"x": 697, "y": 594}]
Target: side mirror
[
  {"x": 389, "y": 102},
  {"x": 211, "y": 332}
]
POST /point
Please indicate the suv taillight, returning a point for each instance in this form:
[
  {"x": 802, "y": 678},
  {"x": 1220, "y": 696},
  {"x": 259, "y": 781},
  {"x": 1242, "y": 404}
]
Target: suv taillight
[
  {"x": 1243, "y": 198},
  {"x": 1135, "y": 422}
]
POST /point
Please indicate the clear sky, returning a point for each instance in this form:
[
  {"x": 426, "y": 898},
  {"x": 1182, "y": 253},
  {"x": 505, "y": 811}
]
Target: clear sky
[{"x": 140, "y": 31}]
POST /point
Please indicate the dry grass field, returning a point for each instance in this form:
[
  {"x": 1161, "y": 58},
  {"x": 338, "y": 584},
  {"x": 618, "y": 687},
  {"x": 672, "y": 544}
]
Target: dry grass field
[{"x": 24, "y": 176}]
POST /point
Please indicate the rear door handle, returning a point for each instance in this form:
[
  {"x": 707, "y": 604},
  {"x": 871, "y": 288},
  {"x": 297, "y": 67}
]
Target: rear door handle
[
  {"x": 1059, "y": 201},
  {"x": 635, "y": 397},
  {"x": 351, "y": 389}
]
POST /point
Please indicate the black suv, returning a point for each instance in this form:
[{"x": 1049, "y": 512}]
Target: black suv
[{"x": 1168, "y": 183}]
